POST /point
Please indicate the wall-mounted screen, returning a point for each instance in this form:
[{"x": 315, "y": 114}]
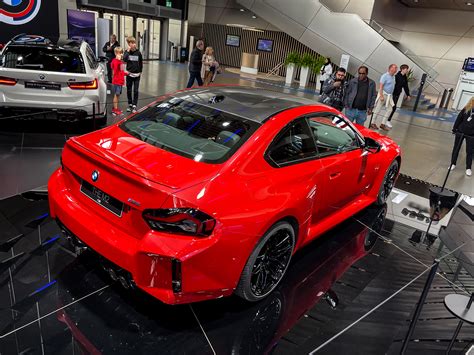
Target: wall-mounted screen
[
  {"x": 468, "y": 64},
  {"x": 265, "y": 45},
  {"x": 232, "y": 40}
]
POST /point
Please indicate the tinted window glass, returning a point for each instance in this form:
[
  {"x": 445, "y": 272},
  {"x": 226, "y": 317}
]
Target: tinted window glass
[
  {"x": 294, "y": 143},
  {"x": 42, "y": 58},
  {"x": 191, "y": 130},
  {"x": 332, "y": 134},
  {"x": 91, "y": 58}
]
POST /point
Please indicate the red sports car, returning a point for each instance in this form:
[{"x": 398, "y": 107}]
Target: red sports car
[{"x": 210, "y": 191}]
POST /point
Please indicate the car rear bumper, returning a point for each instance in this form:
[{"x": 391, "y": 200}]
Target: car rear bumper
[
  {"x": 173, "y": 269},
  {"x": 35, "y": 113}
]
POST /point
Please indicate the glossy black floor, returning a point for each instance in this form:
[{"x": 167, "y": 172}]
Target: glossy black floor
[{"x": 54, "y": 302}]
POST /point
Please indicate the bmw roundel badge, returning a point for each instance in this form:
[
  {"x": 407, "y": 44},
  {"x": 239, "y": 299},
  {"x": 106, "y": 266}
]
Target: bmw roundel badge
[{"x": 95, "y": 175}]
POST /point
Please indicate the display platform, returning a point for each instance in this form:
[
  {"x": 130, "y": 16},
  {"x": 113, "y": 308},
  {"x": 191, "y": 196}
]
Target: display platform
[{"x": 54, "y": 301}]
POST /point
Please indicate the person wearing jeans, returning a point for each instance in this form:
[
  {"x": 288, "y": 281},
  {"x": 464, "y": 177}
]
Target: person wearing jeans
[
  {"x": 195, "y": 64},
  {"x": 359, "y": 99},
  {"x": 134, "y": 61}
]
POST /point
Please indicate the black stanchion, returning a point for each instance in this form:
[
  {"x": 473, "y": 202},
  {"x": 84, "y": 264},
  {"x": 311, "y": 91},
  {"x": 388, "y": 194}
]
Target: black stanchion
[
  {"x": 441, "y": 103},
  {"x": 420, "y": 304},
  {"x": 420, "y": 89},
  {"x": 450, "y": 92},
  {"x": 93, "y": 116}
]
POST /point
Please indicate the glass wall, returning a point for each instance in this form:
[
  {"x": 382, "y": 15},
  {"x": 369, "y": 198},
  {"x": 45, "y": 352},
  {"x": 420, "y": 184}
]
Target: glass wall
[
  {"x": 174, "y": 35},
  {"x": 142, "y": 36},
  {"x": 155, "y": 27},
  {"x": 114, "y": 25},
  {"x": 126, "y": 29}
]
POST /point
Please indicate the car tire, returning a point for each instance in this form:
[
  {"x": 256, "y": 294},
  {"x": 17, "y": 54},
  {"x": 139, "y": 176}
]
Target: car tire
[
  {"x": 275, "y": 249},
  {"x": 388, "y": 183}
]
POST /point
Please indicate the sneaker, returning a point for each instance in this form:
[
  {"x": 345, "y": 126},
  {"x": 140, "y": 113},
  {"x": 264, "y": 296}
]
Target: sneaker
[
  {"x": 389, "y": 125},
  {"x": 374, "y": 126},
  {"x": 119, "y": 111},
  {"x": 452, "y": 167},
  {"x": 384, "y": 127},
  {"x": 468, "y": 172},
  {"x": 114, "y": 112},
  {"x": 134, "y": 108},
  {"x": 129, "y": 108}
]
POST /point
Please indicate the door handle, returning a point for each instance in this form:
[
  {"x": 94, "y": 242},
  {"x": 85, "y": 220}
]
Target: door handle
[{"x": 334, "y": 175}]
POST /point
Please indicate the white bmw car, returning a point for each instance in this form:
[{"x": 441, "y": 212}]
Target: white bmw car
[{"x": 41, "y": 80}]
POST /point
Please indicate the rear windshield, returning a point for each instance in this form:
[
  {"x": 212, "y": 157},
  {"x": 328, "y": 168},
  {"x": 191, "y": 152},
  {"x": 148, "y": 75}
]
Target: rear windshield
[
  {"x": 194, "y": 131},
  {"x": 43, "y": 59}
]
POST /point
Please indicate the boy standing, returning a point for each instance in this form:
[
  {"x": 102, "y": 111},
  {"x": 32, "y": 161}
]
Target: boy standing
[
  {"x": 134, "y": 61},
  {"x": 118, "y": 78}
]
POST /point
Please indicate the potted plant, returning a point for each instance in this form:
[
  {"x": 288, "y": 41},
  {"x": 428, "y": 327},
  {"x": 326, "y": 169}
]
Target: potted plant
[
  {"x": 306, "y": 63},
  {"x": 291, "y": 62}
]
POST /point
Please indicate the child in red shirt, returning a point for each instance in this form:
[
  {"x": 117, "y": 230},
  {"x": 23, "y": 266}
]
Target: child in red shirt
[{"x": 118, "y": 78}]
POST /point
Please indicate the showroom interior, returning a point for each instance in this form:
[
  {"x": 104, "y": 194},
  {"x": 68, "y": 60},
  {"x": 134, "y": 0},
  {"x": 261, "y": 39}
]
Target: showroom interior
[{"x": 246, "y": 215}]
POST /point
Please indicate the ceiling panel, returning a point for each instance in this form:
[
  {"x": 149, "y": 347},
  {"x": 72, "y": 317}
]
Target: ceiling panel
[{"x": 460, "y": 5}]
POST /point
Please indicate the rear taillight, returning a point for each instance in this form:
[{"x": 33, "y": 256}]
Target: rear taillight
[
  {"x": 187, "y": 221},
  {"x": 7, "y": 81},
  {"x": 86, "y": 85}
]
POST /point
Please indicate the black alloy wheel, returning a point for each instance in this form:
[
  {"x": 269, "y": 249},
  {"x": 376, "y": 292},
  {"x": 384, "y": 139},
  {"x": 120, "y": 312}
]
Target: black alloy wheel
[
  {"x": 388, "y": 183},
  {"x": 268, "y": 263}
]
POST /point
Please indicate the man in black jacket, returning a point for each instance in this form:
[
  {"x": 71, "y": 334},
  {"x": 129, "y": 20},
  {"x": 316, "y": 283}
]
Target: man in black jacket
[
  {"x": 359, "y": 99},
  {"x": 134, "y": 60},
  {"x": 109, "y": 50},
  {"x": 333, "y": 90},
  {"x": 401, "y": 82},
  {"x": 195, "y": 64}
]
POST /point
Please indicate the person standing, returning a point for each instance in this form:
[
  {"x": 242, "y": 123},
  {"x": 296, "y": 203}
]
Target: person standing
[
  {"x": 384, "y": 101},
  {"x": 195, "y": 64},
  {"x": 359, "y": 99},
  {"x": 109, "y": 50},
  {"x": 134, "y": 60},
  {"x": 333, "y": 90},
  {"x": 208, "y": 66},
  {"x": 118, "y": 79},
  {"x": 464, "y": 129},
  {"x": 326, "y": 72},
  {"x": 401, "y": 82}
]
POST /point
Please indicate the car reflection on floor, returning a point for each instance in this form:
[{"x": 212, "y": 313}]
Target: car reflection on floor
[{"x": 74, "y": 298}]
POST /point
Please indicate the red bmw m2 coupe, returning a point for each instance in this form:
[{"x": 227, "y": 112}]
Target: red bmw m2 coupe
[{"x": 210, "y": 191}]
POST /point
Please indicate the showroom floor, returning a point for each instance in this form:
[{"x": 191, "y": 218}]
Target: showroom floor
[
  {"x": 54, "y": 301},
  {"x": 32, "y": 146}
]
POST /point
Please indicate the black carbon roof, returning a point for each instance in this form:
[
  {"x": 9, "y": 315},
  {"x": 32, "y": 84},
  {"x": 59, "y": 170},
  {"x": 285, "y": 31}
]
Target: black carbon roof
[{"x": 251, "y": 103}]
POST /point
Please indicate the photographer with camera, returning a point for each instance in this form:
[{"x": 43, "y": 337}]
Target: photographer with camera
[{"x": 333, "y": 90}]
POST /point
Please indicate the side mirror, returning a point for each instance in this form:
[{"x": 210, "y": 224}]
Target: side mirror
[{"x": 371, "y": 145}]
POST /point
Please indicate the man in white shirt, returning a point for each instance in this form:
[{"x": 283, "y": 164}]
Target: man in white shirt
[{"x": 384, "y": 102}]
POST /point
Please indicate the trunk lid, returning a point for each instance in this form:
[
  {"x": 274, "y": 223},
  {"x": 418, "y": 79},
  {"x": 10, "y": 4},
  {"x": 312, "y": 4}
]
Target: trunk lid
[
  {"x": 34, "y": 85},
  {"x": 145, "y": 160}
]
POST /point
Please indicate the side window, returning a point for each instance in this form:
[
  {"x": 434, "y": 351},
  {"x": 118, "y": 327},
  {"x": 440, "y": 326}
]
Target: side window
[
  {"x": 294, "y": 143},
  {"x": 332, "y": 134},
  {"x": 91, "y": 58}
]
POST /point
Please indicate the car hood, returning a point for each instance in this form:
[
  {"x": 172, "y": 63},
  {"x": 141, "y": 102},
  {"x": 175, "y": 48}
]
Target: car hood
[{"x": 150, "y": 162}]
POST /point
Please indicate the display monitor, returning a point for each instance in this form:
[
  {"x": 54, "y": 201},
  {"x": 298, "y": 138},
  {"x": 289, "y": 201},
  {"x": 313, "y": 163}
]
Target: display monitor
[
  {"x": 232, "y": 40},
  {"x": 265, "y": 45},
  {"x": 468, "y": 64}
]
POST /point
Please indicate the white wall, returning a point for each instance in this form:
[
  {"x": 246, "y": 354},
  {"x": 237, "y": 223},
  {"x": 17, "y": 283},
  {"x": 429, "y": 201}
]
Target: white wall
[{"x": 442, "y": 38}]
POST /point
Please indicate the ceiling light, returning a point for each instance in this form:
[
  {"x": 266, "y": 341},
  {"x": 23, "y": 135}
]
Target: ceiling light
[
  {"x": 469, "y": 3},
  {"x": 415, "y": 1},
  {"x": 242, "y": 10},
  {"x": 253, "y": 16}
]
